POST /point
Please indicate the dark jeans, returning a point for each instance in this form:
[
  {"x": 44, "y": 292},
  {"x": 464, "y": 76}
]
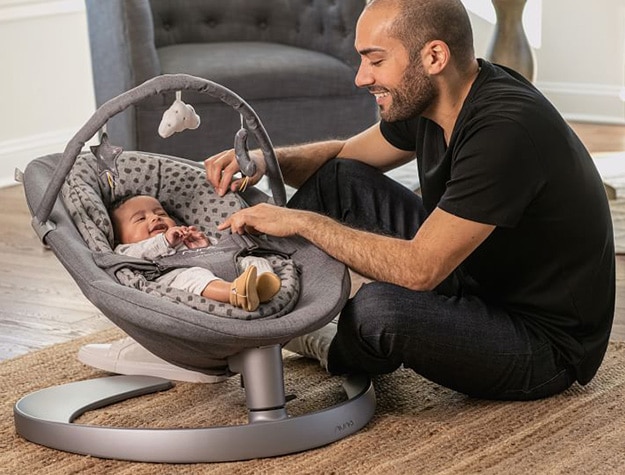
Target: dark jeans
[{"x": 454, "y": 339}]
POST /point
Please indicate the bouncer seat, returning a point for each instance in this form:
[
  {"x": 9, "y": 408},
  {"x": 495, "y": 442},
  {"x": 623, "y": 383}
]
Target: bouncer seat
[{"x": 68, "y": 194}]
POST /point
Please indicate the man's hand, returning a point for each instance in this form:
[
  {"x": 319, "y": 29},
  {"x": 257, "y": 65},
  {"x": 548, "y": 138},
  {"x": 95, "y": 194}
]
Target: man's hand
[
  {"x": 265, "y": 219},
  {"x": 221, "y": 168}
]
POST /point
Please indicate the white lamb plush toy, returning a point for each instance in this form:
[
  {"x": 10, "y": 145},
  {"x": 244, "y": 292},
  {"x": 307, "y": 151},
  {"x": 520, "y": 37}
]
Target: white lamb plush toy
[{"x": 178, "y": 117}]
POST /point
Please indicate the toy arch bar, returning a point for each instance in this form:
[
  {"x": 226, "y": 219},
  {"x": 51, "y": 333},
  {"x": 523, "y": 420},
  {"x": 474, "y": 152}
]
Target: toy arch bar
[{"x": 152, "y": 87}]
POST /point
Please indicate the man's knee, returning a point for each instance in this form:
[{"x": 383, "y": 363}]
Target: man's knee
[
  {"x": 372, "y": 310},
  {"x": 364, "y": 328},
  {"x": 366, "y": 301},
  {"x": 385, "y": 302}
]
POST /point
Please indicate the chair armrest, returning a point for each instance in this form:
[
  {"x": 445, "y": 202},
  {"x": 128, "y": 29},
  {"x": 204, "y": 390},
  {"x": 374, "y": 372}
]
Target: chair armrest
[{"x": 121, "y": 39}]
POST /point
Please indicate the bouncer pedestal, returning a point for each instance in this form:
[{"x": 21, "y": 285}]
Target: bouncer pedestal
[{"x": 45, "y": 417}]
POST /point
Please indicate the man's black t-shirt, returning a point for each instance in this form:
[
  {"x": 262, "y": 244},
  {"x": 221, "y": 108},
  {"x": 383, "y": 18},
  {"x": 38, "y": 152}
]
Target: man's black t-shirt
[{"x": 513, "y": 162}]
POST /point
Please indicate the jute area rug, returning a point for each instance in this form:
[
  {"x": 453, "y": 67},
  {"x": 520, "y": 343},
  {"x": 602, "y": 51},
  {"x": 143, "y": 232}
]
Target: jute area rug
[{"x": 418, "y": 426}]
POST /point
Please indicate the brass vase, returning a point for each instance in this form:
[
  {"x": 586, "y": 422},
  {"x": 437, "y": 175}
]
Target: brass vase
[{"x": 509, "y": 45}]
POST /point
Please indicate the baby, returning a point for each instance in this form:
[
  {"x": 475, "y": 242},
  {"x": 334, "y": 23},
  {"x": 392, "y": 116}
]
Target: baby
[{"x": 143, "y": 229}]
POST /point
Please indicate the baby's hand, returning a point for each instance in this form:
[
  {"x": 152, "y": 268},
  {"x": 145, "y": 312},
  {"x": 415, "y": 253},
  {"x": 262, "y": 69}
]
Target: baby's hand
[
  {"x": 195, "y": 238},
  {"x": 175, "y": 235}
]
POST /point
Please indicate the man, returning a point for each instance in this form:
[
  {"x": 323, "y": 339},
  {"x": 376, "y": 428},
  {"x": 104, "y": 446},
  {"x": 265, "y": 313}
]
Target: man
[{"x": 499, "y": 282}]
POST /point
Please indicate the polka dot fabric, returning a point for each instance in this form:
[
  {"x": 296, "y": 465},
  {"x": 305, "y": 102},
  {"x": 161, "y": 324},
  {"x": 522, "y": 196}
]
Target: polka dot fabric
[{"x": 188, "y": 198}]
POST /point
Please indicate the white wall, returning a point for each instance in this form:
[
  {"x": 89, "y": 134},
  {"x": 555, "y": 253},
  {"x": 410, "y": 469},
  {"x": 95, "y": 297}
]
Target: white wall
[
  {"x": 581, "y": 64},
  {"x": 581, "y": 59},
  {"x": 46, "y": 85}
]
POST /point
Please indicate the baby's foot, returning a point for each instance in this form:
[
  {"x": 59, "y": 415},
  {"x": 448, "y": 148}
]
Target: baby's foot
[
  {"x": 267, "y": 286},
  {"x": 243, "y": 293}
]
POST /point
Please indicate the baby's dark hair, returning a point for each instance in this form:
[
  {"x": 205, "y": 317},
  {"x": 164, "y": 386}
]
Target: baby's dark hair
[{"x": 117, "y": 202}]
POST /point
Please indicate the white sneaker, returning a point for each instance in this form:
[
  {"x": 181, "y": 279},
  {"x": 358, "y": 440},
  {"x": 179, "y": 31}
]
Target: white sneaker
[
  {"x": 126, "y": 356},
  {"x": 315, "y": 345}
]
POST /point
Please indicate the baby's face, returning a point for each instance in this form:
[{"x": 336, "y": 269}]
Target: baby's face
[{"x": 140, "y": 218}]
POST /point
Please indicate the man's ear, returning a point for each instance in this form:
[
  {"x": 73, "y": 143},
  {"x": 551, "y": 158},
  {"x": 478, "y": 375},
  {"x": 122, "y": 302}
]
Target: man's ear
[{"x": 436, "y": 56}]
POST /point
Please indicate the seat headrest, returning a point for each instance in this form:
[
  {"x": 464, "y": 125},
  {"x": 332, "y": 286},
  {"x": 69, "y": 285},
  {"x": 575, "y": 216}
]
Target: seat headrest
[{"x": 181, "y": 188}]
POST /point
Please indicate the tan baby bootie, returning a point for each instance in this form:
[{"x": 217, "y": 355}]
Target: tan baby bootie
[
  {"x": 268, "y": 285},
  {"x": 243, "y": 293}
]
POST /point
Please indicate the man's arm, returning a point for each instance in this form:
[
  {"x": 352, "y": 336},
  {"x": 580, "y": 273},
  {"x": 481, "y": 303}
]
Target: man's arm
[
  {"x": 298, "y": 163},
  {"x": 440, "y": 245},
  {"x": 372, "y": 148}
]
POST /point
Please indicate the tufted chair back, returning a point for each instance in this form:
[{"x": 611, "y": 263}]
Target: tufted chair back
[
  {"x": 326, "y": 26},
  {"x": 292, "y": 60}
]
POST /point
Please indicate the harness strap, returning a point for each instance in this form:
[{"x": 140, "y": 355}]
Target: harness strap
[{"x": 221, "y": 259}]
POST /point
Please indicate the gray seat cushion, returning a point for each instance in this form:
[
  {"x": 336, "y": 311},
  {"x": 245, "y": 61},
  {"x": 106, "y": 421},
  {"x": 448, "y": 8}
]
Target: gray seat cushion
[
  {"x": 256, "y": 70},
  {"x": 188, "y": 198}
]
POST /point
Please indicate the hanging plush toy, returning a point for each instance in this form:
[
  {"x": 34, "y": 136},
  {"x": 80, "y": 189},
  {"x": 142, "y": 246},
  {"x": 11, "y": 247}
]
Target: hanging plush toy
[
  {"x": 178, "y": 117},
  {"x": 181, "y": 116}
]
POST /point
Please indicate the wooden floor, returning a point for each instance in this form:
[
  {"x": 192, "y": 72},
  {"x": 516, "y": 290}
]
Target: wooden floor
[{"x": 41, "y": 305}]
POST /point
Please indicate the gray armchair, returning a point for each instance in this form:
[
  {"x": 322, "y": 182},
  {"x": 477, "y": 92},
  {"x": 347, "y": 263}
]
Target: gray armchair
[{"x": 293, "y": 61}]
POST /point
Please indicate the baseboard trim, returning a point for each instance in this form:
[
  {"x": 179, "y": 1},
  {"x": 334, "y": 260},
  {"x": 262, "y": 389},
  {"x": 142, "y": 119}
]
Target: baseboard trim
[
  {"x": 587, "y": 102},
  {"x": 17, "y": 153},
  {"x": 12, "y": 11},
  {"x": 594, "y": 119}
]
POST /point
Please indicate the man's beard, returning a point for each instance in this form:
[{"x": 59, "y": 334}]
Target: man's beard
[{"x": 412, "y": 97}]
